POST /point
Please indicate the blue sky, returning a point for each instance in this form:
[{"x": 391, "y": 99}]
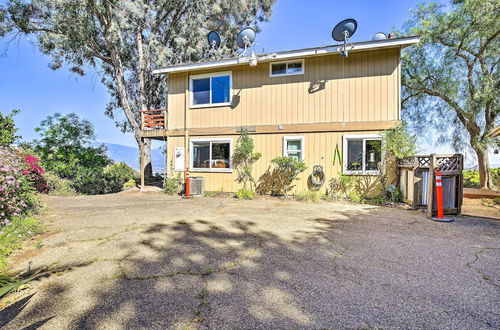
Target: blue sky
[{"x": 28, "y": 84}]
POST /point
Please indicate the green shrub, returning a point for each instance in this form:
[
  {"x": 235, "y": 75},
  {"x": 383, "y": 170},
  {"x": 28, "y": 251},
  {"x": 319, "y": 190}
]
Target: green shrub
[
  {"x": 11, "y": 236},
  {"x": 471, "y": 178},
  {"x": 280, "y": 180},
  {"x": 65, "y": 146},
  {"x": 341, "y": 186},
  {"x": 129, "y": 184},
  {"x": 394, "y": 195},
  {"x": 109, "y": 180},
  {"x": 57, "y": 186},
  {"x": 122, "y": 172},
  {"x": 355, "y": 197},
  {"x": 243, "y": 159},
  {"x": 8, "y": 129},
  {"x": 172, "y": 186},
  {"x": 245, "y": 194},
  {"x": 309, "y": 196},
  {"x": 92, "y": 182}
]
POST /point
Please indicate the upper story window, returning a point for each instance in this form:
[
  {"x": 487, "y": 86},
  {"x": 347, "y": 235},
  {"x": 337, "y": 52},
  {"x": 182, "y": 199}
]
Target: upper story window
[
  {"x": 288, "y": 68},
  {"x": 213, "y": 89},
  {"x": 293, "y": 146},
  {"x": 362, "y": 154}
]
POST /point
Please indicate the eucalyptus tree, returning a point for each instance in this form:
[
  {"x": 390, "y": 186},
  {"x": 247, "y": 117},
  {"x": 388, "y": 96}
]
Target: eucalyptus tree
[
  {"x": 125, "y": 40},
  {"x": 450, "y": 80}
]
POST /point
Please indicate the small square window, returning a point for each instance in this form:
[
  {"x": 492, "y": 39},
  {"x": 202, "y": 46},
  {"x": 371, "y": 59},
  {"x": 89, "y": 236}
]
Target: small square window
[
  {"x": 293, "y": 147},
  {"x": 287, "y": 68}
]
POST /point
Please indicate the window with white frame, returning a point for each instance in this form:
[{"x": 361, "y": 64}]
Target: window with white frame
[
  {"x": 211, "y": 155},
  {"x": 286, "y": 68},
  {"x": 213, "y": 89},
  {"x": 362, "y": 154},
  {"x": 293, "y": 146}
]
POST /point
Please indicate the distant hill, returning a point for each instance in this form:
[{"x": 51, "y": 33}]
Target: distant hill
[{"x": 130, "y": 156}]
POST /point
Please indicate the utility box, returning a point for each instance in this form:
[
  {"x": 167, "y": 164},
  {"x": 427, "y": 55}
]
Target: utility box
[{"x": 197, "y": 185}]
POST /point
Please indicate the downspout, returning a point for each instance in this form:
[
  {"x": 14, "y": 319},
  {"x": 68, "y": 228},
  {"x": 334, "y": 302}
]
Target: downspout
[{"x": 186, "y": 125}]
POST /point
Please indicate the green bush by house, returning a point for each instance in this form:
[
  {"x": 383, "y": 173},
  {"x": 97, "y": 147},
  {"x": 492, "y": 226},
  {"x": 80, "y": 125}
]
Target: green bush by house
[{"x": 471, "y": 178}]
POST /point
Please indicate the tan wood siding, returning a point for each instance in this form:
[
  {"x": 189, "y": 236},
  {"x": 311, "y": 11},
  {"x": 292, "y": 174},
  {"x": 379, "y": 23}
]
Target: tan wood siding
[
  {"x": 363, "y": 87},
  {"x": 319, "y": 150}
]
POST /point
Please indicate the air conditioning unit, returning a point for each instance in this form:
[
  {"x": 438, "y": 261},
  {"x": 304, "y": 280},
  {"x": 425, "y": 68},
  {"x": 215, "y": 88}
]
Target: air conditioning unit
[{"x": 197, "y": 185}]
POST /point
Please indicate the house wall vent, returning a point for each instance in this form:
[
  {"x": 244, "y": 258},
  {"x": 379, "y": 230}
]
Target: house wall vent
[{"x": 197, "y": 185}]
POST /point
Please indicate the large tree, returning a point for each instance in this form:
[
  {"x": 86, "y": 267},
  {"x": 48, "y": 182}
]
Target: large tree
[
  {"x": 450, "y": 80},
  {"x": 124, "y": 40}
]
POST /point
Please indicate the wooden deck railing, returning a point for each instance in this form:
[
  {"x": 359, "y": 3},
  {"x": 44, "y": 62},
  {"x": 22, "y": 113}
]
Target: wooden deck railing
[{"x": 154, "y": 119}]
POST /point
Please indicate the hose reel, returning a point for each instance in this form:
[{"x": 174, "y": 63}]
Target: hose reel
[{"x": 317, "y": 177}]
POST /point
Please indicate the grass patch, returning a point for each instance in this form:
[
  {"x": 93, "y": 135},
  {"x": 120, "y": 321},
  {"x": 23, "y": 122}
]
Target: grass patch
[
  {"x": 308, "y": 196},
  {"x": 11, "y": 237},
  {"x": 217, "y": 193}
]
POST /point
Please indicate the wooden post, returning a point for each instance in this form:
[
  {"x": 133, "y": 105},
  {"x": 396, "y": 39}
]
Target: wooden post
[
  {"x": 415, "y": 183},
  {"x": 430, "y": 193},
  {"x": 460, "y": 178},
  {"x": 141, "y": 163}
]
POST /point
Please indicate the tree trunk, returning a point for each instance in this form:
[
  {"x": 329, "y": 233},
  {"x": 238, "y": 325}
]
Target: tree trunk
[
  {"x": 148, "y": 166},
  {"x": 483, "y": 161}
]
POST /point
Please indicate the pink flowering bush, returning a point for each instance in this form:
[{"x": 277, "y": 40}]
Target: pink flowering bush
[
  {"x": 35, "y": 173},
  {"x": 17, "y": 193}
]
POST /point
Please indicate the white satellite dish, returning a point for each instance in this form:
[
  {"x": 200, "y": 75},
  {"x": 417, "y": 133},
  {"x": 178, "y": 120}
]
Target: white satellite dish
[
  {"x": 379, "y": 36},
  {"x": 246, "y": 39}
]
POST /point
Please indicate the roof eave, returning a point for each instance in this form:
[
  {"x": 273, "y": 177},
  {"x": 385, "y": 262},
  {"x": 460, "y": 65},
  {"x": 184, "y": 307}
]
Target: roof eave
[{"x": 372, "y": 45}]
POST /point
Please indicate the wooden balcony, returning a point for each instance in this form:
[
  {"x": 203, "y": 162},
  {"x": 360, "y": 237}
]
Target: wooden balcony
[{"x": 154, "y": 119}]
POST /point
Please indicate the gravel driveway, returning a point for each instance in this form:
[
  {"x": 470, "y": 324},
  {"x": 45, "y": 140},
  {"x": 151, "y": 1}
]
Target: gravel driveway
[{"x": 133, "y": 260}]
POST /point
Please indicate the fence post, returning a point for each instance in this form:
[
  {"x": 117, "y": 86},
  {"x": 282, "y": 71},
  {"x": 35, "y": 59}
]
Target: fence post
[
  {"x": 430, "y": 192},
  {"x": 460, "y": 178},
  {"x": 415, "y": 183}
]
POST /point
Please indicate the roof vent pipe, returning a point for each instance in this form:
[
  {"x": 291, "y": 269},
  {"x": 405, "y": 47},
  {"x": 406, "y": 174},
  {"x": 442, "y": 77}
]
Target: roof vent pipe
[{"x": 253, "y": 59}]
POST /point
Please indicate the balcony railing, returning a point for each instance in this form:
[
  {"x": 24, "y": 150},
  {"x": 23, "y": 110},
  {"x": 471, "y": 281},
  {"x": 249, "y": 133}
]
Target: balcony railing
[{"x": 154, "y": 119}]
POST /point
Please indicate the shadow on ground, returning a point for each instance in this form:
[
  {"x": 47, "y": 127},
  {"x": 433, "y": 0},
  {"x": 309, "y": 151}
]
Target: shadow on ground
[{"x": 340, "y": 268}]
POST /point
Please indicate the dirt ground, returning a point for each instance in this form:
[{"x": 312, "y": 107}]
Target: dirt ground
[
  {"x": 133, "y": 260},
  {"x": 478, "y": 207}
]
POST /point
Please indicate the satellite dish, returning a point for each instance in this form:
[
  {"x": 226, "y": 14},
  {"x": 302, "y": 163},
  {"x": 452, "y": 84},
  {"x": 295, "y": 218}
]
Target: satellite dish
[
  {"x": 379, "y": 36},
  {"x": 246, "y": 38},
  {"x": 344, "y": 30},
  {"x": 213, "y": 39}
]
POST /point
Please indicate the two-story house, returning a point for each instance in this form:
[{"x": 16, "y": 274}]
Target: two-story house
[{"x": 305, "y": 103}]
